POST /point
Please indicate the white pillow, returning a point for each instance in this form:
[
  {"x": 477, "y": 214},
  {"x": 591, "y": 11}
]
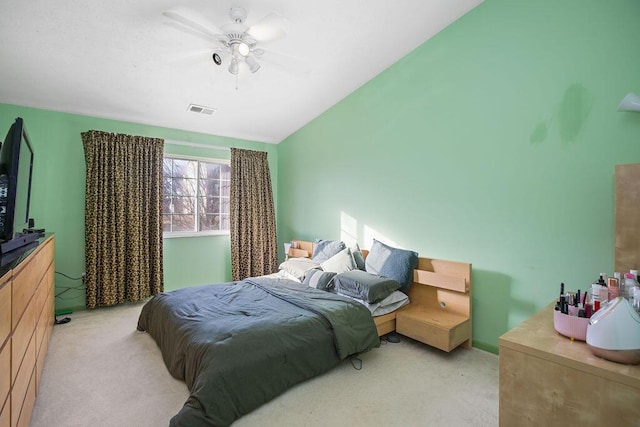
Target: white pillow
[
  {"x": 340, "y": 262},
  {"x": 298, "y": 267}
]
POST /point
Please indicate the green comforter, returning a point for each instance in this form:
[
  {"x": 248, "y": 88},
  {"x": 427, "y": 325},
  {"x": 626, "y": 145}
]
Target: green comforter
[{"x": 239, "y": 345}]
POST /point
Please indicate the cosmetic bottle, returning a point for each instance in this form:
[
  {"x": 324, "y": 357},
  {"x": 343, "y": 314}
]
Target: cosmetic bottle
[
  {"x": 628, "y": 291},
  {"x": 618, "y": 276},
  {"x": 604, "y": 290},
  {"x": 614, "y": 288},
  {"x": 628, "y": 282},
  {"x": 573, "y": 309},
  {"x": 588, "y": 310},
  {"x": 595, "y": 296}
]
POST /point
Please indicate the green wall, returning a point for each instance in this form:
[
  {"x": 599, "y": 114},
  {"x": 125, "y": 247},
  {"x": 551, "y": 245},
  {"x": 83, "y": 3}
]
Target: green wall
[
  {"x": 58, "y": 196},
  {"x": 493, "y": 143}
]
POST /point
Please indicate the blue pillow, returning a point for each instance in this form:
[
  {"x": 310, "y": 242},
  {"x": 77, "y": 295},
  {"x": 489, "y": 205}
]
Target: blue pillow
[
  {"x": 325, "y": 249},
  {"x": 394, "y": 263}
]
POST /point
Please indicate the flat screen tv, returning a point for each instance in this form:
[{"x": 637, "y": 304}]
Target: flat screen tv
[{"x": 16, "y": 168}]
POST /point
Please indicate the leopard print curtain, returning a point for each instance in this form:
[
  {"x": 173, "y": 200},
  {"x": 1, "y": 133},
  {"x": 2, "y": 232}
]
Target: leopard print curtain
[
  {"x": 254, "y": 248},
  {"x": 123, "y": 217}
]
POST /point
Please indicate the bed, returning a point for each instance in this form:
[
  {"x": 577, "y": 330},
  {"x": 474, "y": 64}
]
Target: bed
[{"x": 238, "y": 345}]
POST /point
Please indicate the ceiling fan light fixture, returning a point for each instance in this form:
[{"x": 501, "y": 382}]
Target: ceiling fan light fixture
[
  {"x": 252, "y": 63},
  {"x": 237, "y": 40},
  {"x": 243, "y": 49},
  {"x": 233, "y": 66}
]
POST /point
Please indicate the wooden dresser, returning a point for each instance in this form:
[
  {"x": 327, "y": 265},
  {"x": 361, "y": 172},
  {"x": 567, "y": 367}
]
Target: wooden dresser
[
  {"x": 26, "y": 322},
  {"x": 548, "y": 380}
]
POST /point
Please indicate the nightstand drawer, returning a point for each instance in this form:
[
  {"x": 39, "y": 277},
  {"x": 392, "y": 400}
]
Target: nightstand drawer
[{"x": 437, "y": 328}]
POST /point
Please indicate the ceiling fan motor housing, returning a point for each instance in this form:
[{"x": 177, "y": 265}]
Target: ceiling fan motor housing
[{"x": 238, "y": 14}]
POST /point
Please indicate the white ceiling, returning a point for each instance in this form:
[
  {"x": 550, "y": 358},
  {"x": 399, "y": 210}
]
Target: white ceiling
[{"x": 124, "y": 60}]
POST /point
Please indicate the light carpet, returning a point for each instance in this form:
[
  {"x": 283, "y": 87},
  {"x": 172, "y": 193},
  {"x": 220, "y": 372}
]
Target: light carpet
[{"x": 100, "y": 371}]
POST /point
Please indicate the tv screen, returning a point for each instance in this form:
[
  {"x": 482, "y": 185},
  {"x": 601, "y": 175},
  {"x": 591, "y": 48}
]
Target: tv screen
[{"x": 16, "y": 167}]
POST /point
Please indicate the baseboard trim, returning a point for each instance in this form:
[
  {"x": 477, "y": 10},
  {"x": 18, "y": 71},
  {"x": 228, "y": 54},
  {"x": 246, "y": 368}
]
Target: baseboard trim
[
  {"x": 69, "y": 310},
  {"x": 486, "y": 347}
]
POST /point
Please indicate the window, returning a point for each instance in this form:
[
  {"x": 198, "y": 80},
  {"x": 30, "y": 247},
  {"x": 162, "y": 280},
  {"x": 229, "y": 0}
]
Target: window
[{"x": 196, "y": 196}]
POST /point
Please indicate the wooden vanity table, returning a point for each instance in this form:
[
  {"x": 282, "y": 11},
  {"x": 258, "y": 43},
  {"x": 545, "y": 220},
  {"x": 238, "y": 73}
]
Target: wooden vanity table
[{"x": 547, "y": 379}]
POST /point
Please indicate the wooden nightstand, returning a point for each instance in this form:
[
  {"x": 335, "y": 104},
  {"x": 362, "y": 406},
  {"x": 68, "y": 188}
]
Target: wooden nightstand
[{"x": 440, "y": 310}]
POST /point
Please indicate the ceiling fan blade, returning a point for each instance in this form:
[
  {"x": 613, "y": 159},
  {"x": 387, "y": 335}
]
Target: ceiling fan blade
[
  {"x": 191, "y": 31},
  {"x": 191, "y": 19},
  {"x": 284, "y": 62},
  {"x": 270, "y": 28},
  {"x": 190, "y": 56}
]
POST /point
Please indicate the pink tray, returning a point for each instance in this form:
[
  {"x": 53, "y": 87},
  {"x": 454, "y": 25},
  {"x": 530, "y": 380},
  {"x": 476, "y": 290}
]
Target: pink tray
[{"x": 570, "y": 326}]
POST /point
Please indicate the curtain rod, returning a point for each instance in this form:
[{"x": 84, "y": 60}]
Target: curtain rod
[{"x": 195, "y": 144}]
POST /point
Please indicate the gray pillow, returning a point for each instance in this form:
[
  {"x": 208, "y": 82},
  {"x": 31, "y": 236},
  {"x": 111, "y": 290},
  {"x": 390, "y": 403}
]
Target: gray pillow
[
  {"x": 319, "y": 279},
  {"x": 394, "y": 263},
  {"x": 365, "y": 286},
  {"x": 357, "y": 255},
  {"x": 325, "y": 249}
]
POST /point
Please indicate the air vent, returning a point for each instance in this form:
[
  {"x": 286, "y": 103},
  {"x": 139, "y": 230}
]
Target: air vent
[{"x": 201, "y": 109}]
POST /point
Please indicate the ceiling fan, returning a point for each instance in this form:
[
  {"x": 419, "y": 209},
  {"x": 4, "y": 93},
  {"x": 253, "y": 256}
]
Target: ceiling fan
[{"x": 238, "y": 44}]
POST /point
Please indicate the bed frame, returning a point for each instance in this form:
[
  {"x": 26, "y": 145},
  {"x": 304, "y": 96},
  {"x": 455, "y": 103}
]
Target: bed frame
[{"x": 439, "y": 312}]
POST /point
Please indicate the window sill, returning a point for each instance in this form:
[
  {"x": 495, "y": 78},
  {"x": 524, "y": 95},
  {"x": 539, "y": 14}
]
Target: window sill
[{"x": 175, "y": 234}]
